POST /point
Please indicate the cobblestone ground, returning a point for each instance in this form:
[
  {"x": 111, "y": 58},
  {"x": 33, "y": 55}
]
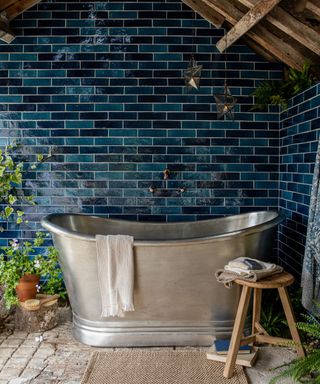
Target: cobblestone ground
[{"x": 58, "y": 358}]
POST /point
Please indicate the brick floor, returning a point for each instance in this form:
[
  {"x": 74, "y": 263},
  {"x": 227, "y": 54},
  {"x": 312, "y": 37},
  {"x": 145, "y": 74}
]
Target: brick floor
[{"x": 59, "y": 359}]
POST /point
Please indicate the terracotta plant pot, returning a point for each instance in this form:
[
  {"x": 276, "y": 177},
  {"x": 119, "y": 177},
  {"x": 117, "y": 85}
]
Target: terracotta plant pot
[{"x": 27, "y": 287}]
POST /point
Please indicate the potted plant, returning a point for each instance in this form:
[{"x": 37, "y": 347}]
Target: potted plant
[
  {"x": 278, "y": 92},
  {"x": 24, "y": 272},
  {"x": 13, "y": 166}
]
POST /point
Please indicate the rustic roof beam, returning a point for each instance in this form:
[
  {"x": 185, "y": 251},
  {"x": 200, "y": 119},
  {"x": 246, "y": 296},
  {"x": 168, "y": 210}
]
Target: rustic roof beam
[
  {"x": 19, "y": 7},
  {"x": 313, "y": 7},
  {"x": 258, "y": 49},
  {"x": 5, "y": 4},
  {"x": 248, "y": 21},
  {"x": 291, "y": 26},
  {"x": 204, "y": 11},
  {"x": 300, "y": 5},
  {"x": 270, "y": 42},
  {"x": 6, "y": 33}
]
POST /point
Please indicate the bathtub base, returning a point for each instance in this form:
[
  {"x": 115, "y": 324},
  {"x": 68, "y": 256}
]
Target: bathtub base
[{"x": 149, "y": 334}]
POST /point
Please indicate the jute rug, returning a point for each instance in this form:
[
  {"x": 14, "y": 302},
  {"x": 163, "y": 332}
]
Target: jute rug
[{"x": 157, "y": 367}]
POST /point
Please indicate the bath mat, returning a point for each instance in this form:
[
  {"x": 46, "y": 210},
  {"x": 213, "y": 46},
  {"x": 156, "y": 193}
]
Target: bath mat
[{"x": 157, "y": 367}]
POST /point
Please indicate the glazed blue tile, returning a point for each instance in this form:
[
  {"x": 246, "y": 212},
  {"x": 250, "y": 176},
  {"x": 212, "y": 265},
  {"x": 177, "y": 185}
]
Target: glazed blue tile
[{"x": 109, "y": 92}]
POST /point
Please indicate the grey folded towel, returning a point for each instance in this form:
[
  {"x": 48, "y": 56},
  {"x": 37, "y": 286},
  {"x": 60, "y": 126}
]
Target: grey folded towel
[{"x": 234, "y": 270}]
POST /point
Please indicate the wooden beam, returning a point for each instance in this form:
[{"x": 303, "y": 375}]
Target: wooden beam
[
  {"x": 313, "y": 7},
  {"x": 19, "y": 7},
  {"x": 248, "y": 21},
  {"x": 258, "y": 49},
  {"x": 291, "y": 26},
  {"x": 300, "y": 5},
  {"x": 6, "y": 33},
  {"x": 207, "y": 13},
  {"x": 273, "y": 340},
  {"x": 5, "y": 4},
  {"x": 261, "y": 35}
]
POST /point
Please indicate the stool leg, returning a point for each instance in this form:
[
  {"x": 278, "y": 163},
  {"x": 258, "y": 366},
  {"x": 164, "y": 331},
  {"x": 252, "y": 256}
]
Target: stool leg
[
  {"x": 291, "y": 320},
  {"x": 256, "y": 311},
  {"x": 237, "y": 332}
]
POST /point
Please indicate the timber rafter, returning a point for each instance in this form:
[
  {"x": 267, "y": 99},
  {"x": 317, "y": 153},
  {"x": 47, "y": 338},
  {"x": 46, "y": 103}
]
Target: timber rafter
[
  {"x": 9, "y": 9},
  {"x": 285, "y": 30}
]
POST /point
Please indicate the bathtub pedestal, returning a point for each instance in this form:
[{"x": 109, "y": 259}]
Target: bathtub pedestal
[{"x": 151, "y": 333}]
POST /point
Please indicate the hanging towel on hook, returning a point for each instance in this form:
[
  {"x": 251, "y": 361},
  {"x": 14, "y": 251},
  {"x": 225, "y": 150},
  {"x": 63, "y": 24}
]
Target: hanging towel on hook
[
  {"x": 115, "y": 274},
  {"x": 310, "y": 278}
]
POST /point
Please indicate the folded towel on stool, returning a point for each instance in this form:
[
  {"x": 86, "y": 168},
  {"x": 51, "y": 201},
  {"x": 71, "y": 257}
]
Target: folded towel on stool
[
  {"x": 247, "y": 263},
  {"x": 239, "y": 268}
]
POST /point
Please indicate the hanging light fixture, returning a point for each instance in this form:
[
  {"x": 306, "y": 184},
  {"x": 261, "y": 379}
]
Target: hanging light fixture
[
  {"x": 225, "y": 101},
  {"x": 192, "y": 74}
]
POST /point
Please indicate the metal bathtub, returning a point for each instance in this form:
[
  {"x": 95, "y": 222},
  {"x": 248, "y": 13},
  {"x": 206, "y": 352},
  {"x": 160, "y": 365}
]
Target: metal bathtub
[{"x": 176, "y": 296}]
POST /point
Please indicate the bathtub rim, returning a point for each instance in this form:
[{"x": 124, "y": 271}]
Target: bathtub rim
[{"x": 58, "y": 230}]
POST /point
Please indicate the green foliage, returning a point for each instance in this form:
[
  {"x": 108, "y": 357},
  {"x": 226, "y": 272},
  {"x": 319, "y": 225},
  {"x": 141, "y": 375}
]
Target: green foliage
[
  {"x": 10, "y": 180},
  {"x": 279, "y": 92},
  {"x": 307, "y": 369},
  {"x": 11, "y": 177},
  {"x": 11, "y": 192},
  {"x": 19, "y": 259},
  {"x": 298, "y": 81},
  {"x": 272, "y": 322}
]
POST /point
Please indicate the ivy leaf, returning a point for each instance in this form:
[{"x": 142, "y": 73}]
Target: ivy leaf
[
  {"x": 40, "y": 157},
  {"x": 19, "y": 220},
  {"x": 12, "y": 199},
  {"x": 20, "y": 213},
  {"x": 8, "y": 211}
]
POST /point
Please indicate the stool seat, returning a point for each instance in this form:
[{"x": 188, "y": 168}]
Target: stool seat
[
  {"x": 278, "y": 280},
  {"x": 259, "y": 334}
]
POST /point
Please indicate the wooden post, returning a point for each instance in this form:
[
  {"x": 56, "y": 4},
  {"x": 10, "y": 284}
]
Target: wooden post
[
  {"x": 237, "y": 332},
  {"x": 257, "y": 293},
  {"x": 287, "y": 307}
]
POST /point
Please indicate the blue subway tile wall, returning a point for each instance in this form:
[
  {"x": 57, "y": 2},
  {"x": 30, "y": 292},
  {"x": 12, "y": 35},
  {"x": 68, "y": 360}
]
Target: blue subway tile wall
[
  {"x": 101, "y": 85},
  {"x": 299, "y": 132}
]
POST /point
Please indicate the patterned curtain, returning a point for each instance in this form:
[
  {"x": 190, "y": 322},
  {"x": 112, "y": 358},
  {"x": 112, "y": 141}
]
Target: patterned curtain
[{"x": 310, "y": 279}]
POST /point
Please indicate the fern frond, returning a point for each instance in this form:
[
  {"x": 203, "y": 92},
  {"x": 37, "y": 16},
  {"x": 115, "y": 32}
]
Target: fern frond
[{"x": 312, "y": 329}]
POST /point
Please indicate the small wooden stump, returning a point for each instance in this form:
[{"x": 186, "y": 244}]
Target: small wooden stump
[{"x": 40, "y": 320}]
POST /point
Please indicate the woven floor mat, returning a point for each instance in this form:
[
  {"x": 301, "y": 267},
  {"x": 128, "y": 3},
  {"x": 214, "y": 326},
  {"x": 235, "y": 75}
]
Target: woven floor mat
[{"x": 157, "y": 367}]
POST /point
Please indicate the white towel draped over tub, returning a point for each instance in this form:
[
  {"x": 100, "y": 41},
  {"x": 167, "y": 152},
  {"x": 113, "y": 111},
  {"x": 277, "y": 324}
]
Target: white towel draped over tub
[{"x": 115, "y": 274}]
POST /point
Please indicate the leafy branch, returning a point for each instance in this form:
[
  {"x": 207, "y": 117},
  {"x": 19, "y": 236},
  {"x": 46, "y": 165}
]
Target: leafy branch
[
  {"x": 12, "y": 195},
  {"x": 279, "y": 92},
  {"x": 306, "y": 369}
]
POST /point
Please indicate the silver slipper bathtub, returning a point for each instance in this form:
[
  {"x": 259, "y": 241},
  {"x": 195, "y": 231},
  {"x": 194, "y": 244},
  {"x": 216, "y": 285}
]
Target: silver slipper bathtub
[{"x": 177, "y": 299}]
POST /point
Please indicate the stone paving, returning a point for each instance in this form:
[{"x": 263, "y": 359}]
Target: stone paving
[{"x": 58, "y": 358}]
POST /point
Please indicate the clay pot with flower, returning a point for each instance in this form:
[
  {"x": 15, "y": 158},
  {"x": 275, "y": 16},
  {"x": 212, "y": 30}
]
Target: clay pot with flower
[{"x": 23, "y": 264}]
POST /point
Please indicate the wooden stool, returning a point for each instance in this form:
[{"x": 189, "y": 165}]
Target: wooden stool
[{"x": 259, "y": 334}]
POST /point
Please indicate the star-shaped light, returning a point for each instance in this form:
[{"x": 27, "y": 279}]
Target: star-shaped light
[
  {"x": 192, "y": 75},
  {"x": 225, "y": 103}
]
